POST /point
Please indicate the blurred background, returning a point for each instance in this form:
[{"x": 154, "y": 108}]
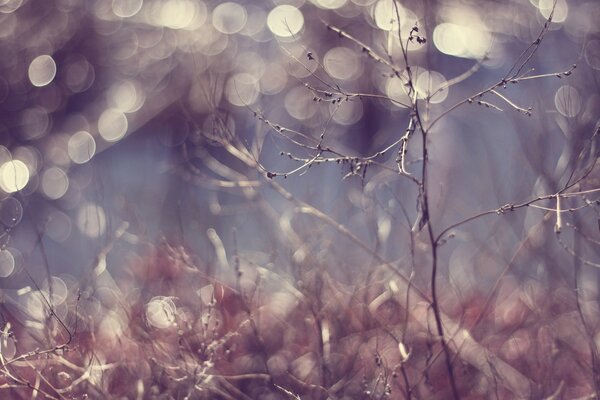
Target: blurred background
[{"x": 113, "y": 115}]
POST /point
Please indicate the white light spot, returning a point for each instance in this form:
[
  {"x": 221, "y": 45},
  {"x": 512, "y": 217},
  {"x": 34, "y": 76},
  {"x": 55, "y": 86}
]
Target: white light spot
[
  {"x": 347, "y": 112},
  {"x": 285, "y": 21},
  {"x": 384, "y": 15},
  {"x": 160, "y": 312},
  {"x": 55, "y": 183},
  {"x": 567, "y": 101},
  {"x": 8, "y": 346},
  {"x": 57, "y": 287},
  {"x": 7, "y": 263},
  {"x": 58, "y": 226},
  {"x": 299, "y": 104},
  {"x": 461, "y": 40},
  {"x": 14, "y": 176},
  {"x": 428, "y": 84},
  {"x": 112, "y": 125},
  {"x": 560, "y": 11},
  {"x": 242, "y": 89},
  {"x": 330, "y": 4},
  {"x": 396, "y": 90},
  {"x": 229, "y": 17},
  {"x": 207, "y": 294},
  {"x": 273, "y": 80},
  {"x": 81, "y": 147},
  {"x": 126, "y": 8},
  {"x": 175, "y": 14},
  {"x": 42, "y": 70},
  {"x": 342, "y": 63},
  {"x": 126, "y": 96},
  {"x": 34, "y": 305},
  {"x": 91, "y": 220}
]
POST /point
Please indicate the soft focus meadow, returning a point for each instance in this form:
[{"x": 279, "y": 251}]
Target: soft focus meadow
[{"x": 299, "y": 199}]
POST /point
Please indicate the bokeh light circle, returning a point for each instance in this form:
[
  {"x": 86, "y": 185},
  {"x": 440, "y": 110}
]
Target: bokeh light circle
[
  {"x": 160, "y": 312},
  {"x": 55, "y": 183},
  {"x": 567, "y": 101},
  {"x": 81, "y": 147},
  {"x": 42, "y": 70},
  {"x": 14, "y": 176},
  {"x": 430, "y": 85},
  {"x": 112, "y": 125},
  {"x": 299, "y": 104},
  {"x": 7, "y": 263},
  {"x": 229, "y": 17},
  {"x": 11, "y": 212},
  {"x": 342, "y": 63},
  {"x": 561, "y": 9},
  {"x": 285, "y": 21},
  {"x": 91, "y": 220},
  {"x": 126, "y": 8},
  {"x": 242, "y": 89}
]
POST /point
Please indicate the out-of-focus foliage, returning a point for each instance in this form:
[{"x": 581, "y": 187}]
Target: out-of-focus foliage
[{"x": 263, "y": 137}]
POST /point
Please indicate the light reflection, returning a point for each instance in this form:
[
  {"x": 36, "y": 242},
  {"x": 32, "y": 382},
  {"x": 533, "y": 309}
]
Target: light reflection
[
  {"x": 35, "y": 305},
  {"x": 81, "y": 147},
  {"x": 285, "y": 21},
  {"x": 330, "y": 4},
  {"x": 30, "y": 156},
  {"x": 274, "y": 79},
  {"x": 428, "y": 85},
  {"x": 347, "y": 112},
  {"x": 11, "y": 212},
  {"x": 35, "y": 122},
  {"x": 342, "y": 63},
  {"x": 212, "y": 42},
  {"x": 567, "y": 101},
  {"x": 242, "y": 89},
  {"x": 10, "y": 6},
  {"x": 251, "y": 63},
  {"x": 467, "y": 41},
  {"x": 79, "y": 74},
  {"x": 14, "y": 176},
  {"x": 55, "y": 290},
  {"x": 561, "y": 9},
  {"x": 298, "y": 65},
  {"x": 126, "y": 96},
  {"x": 396, "y": 90},
  {"x": 229, "y": 17},
  {"x": 55, "y": 183},
  {"x": 111, "y": 326},
  {"x": 42, "y": 70},
  {"x": 126, "y": 8},
  {"x": 174, "y": 14},
  {"x": 58, "y": 226},
  {"x": 384, "y": 15},
  {"x": 257, "y": 20},
  {"x": 299, "y": 104},
  {"x": 160, "y": 312},
  {"x": 91, "y": 220},
  {"x": 112, "y": 125},
  {"x": 592, "y": 53},
  {"x": 363, "y": 2},
  {"x": 8, "y": 346},
  {"x": 7, "y": 263}
]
